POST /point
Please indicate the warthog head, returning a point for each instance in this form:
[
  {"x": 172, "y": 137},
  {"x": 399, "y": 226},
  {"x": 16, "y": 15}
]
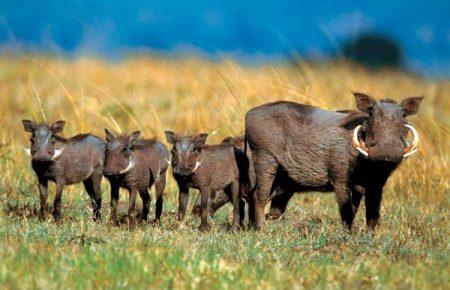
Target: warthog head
[
  {"x": 119, "y": 155},
  {"x": 44, "y": 140},
  {"x": 185, "y": 152},
  {"x": 381, "y": 132}
]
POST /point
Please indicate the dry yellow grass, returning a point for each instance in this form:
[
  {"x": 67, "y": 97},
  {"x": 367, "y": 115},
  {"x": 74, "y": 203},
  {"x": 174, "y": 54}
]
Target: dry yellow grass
[{"x": 192, "y": 95}]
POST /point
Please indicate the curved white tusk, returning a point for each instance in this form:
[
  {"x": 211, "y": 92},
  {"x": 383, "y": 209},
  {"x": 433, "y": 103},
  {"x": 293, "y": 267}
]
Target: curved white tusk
[
  {"x": 413, "y": 148},
  {"x": 197, "y": 165},
  {"x": 410, "y": 153},
  {"x": 168, "y": 162},
  {"x": 130, "y": 166},
  {"x": 27, "y": 151},
  {"x": 57, "y": 153},
  {"x": 357, "y": 143}
]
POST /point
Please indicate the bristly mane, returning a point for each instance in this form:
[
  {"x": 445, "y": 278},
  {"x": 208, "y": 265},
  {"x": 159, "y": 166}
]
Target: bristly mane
[
  {"x": 346, "y": 111},
  {"x": 61, "y": 139},
  {"x": 144, "y": 143},
  {"x": 139, "y": 142},
  {"x": 387, "y": 100},
  {"x": 78, "y": 137}
]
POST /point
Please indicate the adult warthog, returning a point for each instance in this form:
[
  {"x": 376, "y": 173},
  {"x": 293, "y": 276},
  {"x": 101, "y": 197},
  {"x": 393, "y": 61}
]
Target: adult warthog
[{"x": 299, "y": 148}]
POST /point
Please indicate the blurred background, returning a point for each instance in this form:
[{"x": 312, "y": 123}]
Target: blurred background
[
  {"x": 199, "y": 66},
  {"x": 408, "y": 34}
]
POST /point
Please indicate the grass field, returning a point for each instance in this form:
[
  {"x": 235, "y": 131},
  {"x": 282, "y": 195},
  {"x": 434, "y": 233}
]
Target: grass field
[{"x": 306, "y": 249}]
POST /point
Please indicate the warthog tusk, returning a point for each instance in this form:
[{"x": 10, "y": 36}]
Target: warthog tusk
[
  {"x": 130, "y": 166},
  {"x": 57, "y": 153},
  {"x": 410, "y": 150},
  {"x": 197, "y": 165},
  {"x": 361, "y": 148},
  {"x": 27, "y": 151}
]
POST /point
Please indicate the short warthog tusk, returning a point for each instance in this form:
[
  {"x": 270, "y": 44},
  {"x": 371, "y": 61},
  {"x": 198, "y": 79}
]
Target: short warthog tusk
[
  {"x": 130, "y": 166},
  {"x": 197, "y": 165},
  {"x": 27, "y": 151},
  {"x": 361, "y": 148},
  {"x": 410, "y": 150},
  {"x": 57, "y": 153}
]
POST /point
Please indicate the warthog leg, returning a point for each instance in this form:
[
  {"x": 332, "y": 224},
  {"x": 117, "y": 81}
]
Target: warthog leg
[
  {"x": 146, "y": 199},
  {"x": 92, "y": 186},
  {"x": 373, "y": 200},
  {"x": 205, "y": 192},
  {"x": 114, "y": 202},
  {"x": 265, "y": 170},
  {"x": 57, "y": 201},
  {"x": 182, "y": 202},
  {"x": 43, "y": 195},
  {"x": 344, "y": 200},
  {"x": 132, "y": 209},
  {"x": 160, "y": 184}
]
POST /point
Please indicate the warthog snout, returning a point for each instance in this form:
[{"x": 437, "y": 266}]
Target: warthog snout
[
  {"x": 386, "y": 152},
  {"x": 42, "y": 155}
]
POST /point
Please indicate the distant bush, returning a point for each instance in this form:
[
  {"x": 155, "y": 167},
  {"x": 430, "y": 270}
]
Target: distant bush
[{"x": 374, "y": 51}]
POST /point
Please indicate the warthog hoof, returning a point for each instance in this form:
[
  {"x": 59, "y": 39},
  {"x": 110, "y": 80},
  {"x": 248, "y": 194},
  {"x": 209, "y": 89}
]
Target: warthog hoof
[
  {"x": 131, "y": 223},
  {"x": 204, "y": 227},
  {"x": 273, "y": 215},
  {"x": 156, "y": 222},
  {"x": 97, "y": 217},
  {"x": 57, "y": 216}
]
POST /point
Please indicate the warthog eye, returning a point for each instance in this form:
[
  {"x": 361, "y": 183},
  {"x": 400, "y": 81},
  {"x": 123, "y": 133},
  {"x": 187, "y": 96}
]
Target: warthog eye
[{"x": 126, "y": 149}]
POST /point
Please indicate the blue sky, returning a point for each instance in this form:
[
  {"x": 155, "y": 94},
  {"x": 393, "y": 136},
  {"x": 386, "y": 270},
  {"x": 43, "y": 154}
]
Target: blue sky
[{"x": 251, "y": 29}]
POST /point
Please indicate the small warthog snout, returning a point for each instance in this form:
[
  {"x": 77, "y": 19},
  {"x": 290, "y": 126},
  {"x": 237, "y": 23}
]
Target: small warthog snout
[
  {"x": 181, "y": 171},
  {"x": 108, "y": 173},
  {"x": 41, "y": 158},
  {"x": 42, "y": 155}
]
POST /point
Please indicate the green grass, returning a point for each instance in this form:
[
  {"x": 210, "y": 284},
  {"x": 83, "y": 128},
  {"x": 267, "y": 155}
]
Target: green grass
[{"x": 308, "y": 248}]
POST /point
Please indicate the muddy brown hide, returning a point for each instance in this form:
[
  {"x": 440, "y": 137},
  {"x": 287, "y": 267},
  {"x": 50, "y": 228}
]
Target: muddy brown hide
[
  {"x": 279, "y": 200},
  {"x": 64, "y": 162},
  {"x": 219, "y": 199},
  {"x": 136, "y": 165},
  {"x": 210, "y": 169},
  {"x": 299, "y": 148}
]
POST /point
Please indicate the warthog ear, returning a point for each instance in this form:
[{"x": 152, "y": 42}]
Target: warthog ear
[
  {"x": 411, "y": 105},
  {"x": 200, "y": 139},
  {"x": 171, "y": 137},
  {"x": 133, "y": 137},
  {"x": 353, "y": 119},
  {"x": 109, "y": 135},
  {"x": 28, "y": 125},
  {"x": 228, "y": 140},
  {"x": 364, "y": 102},
  {"x": 58, "y": 126}
]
